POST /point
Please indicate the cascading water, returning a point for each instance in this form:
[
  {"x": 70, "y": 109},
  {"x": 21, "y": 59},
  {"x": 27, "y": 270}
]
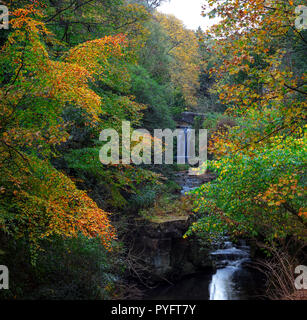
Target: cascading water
[
  {"x": 231, "y": 280},
  {"x": 229, "y": 262},
  {"x": 183, "y": 145}
]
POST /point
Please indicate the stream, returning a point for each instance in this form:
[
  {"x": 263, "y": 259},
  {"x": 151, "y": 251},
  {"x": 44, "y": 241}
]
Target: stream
[{"x": 230, "y": 279}]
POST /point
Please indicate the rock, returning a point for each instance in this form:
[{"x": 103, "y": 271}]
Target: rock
[
  {"x": 188, "y": 268},
  {"x": 160, "y": 241},
  {"x": 167, "y": 254},
  {"x": 187, "y": 118},
  {"x": 190, "y": 182}
]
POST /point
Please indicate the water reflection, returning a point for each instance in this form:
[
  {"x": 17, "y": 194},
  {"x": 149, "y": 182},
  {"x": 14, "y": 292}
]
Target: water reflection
[{"x": 193, "y": 287}]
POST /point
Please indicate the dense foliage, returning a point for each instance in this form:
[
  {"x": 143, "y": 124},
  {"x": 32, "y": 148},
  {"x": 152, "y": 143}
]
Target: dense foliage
[
  {"x": 68, "y": 70},
  {"x": 71, "y": 68},
  {"x": 261, "y": 78}
]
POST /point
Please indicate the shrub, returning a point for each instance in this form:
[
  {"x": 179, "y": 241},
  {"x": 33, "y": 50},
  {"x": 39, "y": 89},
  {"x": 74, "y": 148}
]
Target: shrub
[{"x": 72, "y": 268}]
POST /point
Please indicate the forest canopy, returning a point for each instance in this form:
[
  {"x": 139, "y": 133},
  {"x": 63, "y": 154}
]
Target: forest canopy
[{"x": 72, "y": 68}]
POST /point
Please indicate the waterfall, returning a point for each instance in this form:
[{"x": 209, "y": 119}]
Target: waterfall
[
  {"x": 183, "y": 146},
  {"x": 231, "y": 280},
  {"x": 228, "y": 261}
]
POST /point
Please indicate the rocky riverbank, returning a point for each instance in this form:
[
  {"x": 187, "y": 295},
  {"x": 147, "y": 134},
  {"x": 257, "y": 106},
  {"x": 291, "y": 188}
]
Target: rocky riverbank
[
  {"x": 159, "y": 241},
  {"x": 190, "y": 268}
]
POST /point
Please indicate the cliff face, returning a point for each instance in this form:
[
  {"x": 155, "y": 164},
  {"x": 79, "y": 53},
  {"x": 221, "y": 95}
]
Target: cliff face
[
  {"x": 158, "y": 239},
  {"x": 166, "y": 253}
]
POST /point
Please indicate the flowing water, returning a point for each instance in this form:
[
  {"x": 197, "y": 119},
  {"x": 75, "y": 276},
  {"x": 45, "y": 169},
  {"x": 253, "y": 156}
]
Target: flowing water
[{"x": 232, "y": 279}]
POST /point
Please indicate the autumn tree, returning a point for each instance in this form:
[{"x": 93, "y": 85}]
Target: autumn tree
[
  {"x": 59, "y": 88},
  {"x": 183, "y": 47},
  {"x": 208, "y": 100},
  {"x": 37, "y": 201},
  {"x": 260, "y": 162},
  {"x": 81, "y": 20}
]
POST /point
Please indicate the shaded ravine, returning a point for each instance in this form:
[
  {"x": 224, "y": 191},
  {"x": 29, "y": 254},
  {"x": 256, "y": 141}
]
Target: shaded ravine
[{"x": 231, "y": 278}]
